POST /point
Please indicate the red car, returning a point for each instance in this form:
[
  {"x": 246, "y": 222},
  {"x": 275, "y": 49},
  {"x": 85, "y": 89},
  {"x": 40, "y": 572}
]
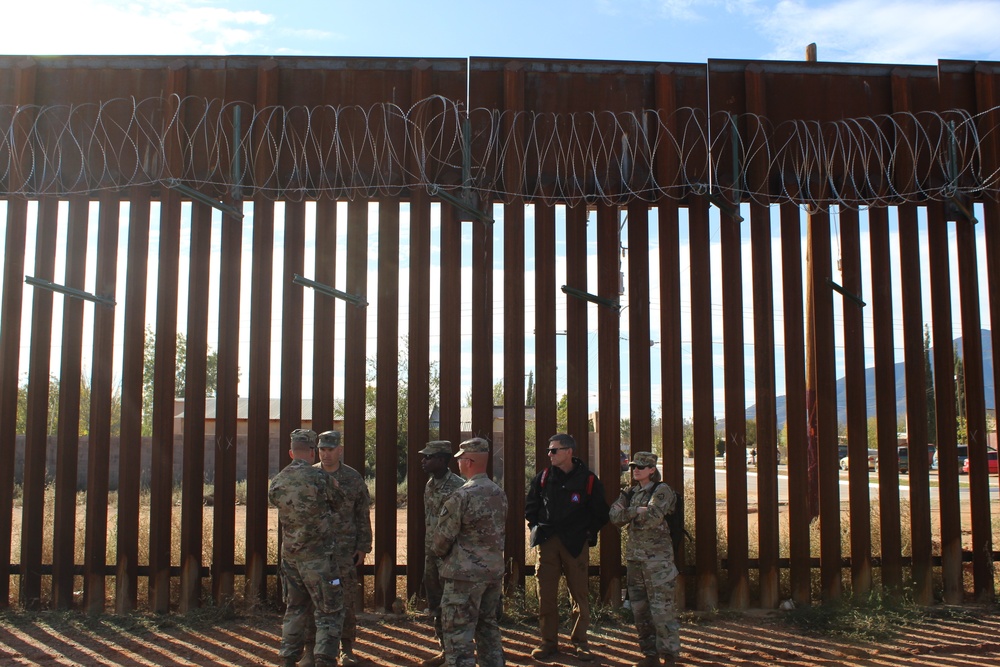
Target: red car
[{"x": 991, "y": 458}]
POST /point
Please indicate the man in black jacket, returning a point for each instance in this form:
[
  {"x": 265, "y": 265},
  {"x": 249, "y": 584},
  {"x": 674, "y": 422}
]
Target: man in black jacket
[{"x": 565, "y": 510}]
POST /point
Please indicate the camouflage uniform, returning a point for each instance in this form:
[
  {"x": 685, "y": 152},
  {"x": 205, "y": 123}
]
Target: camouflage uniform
[
  {"x": 469, "y": 538},
  {"x": 435, "y": 492},
  {"x": 305, "y": 498},
  {"x": 649, "y": 554},
  {"x": 352, "y": 526}
]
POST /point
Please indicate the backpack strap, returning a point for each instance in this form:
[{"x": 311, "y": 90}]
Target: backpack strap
[
  {"x": 590, "y": 485},
  {"x": 545, "y": 476}
]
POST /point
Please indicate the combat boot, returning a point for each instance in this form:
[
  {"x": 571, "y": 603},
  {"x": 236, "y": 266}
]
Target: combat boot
[
  {"x": 648, "y": 661},
  {"x": 308, "y": 660},
  {"x": 545, "y": 652},
  {"x": 347, "y": 653},
  {"x": 287, "y": 662},
  {"x": 434, "y": 661},
  {"x": 325, "y": 661}
]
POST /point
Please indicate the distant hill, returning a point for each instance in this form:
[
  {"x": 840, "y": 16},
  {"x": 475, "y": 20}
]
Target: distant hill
[{"x": 900, "y": 385}]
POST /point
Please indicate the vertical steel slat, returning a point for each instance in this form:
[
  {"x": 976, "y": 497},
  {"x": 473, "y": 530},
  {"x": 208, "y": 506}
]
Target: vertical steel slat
[
  {"x": 730, "y": 238},
  {"x": 451, "y": 333},
  {"x": 36, "y": 428},
  {"x": 10, "y": 343},
  {"x": 577, "y": 372},
  {"x": 514, "y": 451},
  {"x": 193, "y": 448},
  {"x": 325, "y": 309},
  {"x": 356, "y": 416},
  {"x": 387, "y": 402},
  {"x": 226, "y": 405},
  {"x": 482, "y": 331},
  {"x": 609, "y": 384},
  {"x": 668, "y": 231},
  {"x": 418, "y": 358},
  {"x": 987, "y": 79},
  {"x": 665, "y": 170},
  {"x": 768, "y": 535},
  {"x": 545, "y": 330},
  {"x": 258, "y": 401},
  {"x": 795, "y": 402},
  {"x": 96, "y": 541},
  {"x": 10, "y": 336},
  {"x": 703, "y": 399},
  {"x": 130, "y": 440},
  {"x": 418, "y": 385},
  {"x": 162, "y": 461},
  {"x": 885, "y": 398},
  {"x": 640, "y": 343},
  {"x": 68, "y": 434},
  {"x": 857, "y": 403},
  {"x": 291, "y": 321},
  {"x": 164, "y": 362},
  {"x": 916, "y": 410},
  {"x": 944, "y": 405},
  {"x": 826, "y": 403},
  {"x": 975, "y": 412}
]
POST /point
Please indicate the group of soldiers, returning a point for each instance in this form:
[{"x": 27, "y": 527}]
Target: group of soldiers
[{"x": 325, "y": 519}]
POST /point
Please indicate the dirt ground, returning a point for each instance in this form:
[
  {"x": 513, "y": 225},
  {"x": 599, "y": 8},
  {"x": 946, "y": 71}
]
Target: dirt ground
[{"x": 752, "y": 639}]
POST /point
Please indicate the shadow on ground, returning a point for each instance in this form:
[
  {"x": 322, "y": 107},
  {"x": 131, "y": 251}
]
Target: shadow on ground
[{"x": 750, "y": 639}]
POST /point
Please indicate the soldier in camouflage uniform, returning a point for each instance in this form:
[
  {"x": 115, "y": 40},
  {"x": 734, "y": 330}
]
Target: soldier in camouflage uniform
[
  {"x": 469, "y": 538},
  {"x": 441, "y": 482},
  {"x": 353, "y": 528},
  {"x": 306, "y": 498},
  {"x": 649, "y": 554}
]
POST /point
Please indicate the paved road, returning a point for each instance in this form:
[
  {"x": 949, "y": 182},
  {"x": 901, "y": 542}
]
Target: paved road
[{"x": 904, "y": 488}]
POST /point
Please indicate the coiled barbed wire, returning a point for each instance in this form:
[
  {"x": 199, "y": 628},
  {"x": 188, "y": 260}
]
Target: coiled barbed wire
[{"x": 233, "y": 149}]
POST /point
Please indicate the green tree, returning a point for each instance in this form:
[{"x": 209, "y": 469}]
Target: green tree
[
  {"x": 498, "y": 392},
  {"x": 402, "y": 409},
  {"x": 961, "y": 432},
  {"x": 562, "y": 418},
  {"x": 751, "y": 432},
  {"x": 872, "y": 432},
  {"x": 180, "y": 374},
  {"x": 51, "y": 420},
  {"x": 529, "y": 400},
  {"x": 929, "y": 386},
  {"x": 625, "y": 430},
  {"x": 688, "y": 437}
]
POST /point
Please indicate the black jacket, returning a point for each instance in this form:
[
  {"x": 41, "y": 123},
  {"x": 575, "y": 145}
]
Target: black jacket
[{"x": 564, "y": 507}]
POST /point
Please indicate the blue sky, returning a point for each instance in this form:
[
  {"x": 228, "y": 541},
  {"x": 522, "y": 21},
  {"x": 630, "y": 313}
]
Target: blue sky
[{"x": 890, "y": 31}]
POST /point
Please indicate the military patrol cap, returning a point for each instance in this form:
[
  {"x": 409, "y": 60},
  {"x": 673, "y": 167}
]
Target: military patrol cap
[
  {"x": 329, "y": 439},
  {"x": 473, "y": 446},
  {"x": 437, "y": 447},
  {"x": 304, "y": 435},
  {"x": 643, "y": 459}
]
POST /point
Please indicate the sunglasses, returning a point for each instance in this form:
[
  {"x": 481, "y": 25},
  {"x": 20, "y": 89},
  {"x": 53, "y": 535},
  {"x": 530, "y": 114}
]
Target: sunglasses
[
  {"x": 553, "y": 450},
  {"x": 641, "y": 467}
]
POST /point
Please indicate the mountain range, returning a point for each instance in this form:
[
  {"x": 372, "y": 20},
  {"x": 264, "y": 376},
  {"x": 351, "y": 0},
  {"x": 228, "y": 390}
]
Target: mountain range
[{"x": 900, "y": 385}]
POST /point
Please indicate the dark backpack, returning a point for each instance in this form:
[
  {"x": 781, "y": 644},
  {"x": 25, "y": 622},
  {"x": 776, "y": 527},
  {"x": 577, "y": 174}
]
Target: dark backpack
[{"x": 675, "y": 520}]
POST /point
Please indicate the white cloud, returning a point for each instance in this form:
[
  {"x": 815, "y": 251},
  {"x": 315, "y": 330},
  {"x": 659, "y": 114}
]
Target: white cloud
[
  {"x": 886, "y": 31},
  {"x": 87, "y": 27}
]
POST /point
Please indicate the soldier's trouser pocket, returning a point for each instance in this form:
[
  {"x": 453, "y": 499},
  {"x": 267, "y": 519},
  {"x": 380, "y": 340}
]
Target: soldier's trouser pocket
[{"x": 331, "y": 588}]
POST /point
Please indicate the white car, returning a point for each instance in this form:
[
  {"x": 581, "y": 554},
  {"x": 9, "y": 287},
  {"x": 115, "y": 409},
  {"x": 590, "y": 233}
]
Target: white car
[{"x": 872, "y": 460}]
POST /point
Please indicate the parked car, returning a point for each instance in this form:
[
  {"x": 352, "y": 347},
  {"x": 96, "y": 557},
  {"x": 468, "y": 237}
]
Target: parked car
[
  {"x": 991, "y": 459},
  {"x": 903, "y": 454},
  {"x": 872, "y": 461},
  {"x": 963, "y": 453}
]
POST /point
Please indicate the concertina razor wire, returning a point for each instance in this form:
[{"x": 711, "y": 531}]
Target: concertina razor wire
[{"x": 234, "y": 150}]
